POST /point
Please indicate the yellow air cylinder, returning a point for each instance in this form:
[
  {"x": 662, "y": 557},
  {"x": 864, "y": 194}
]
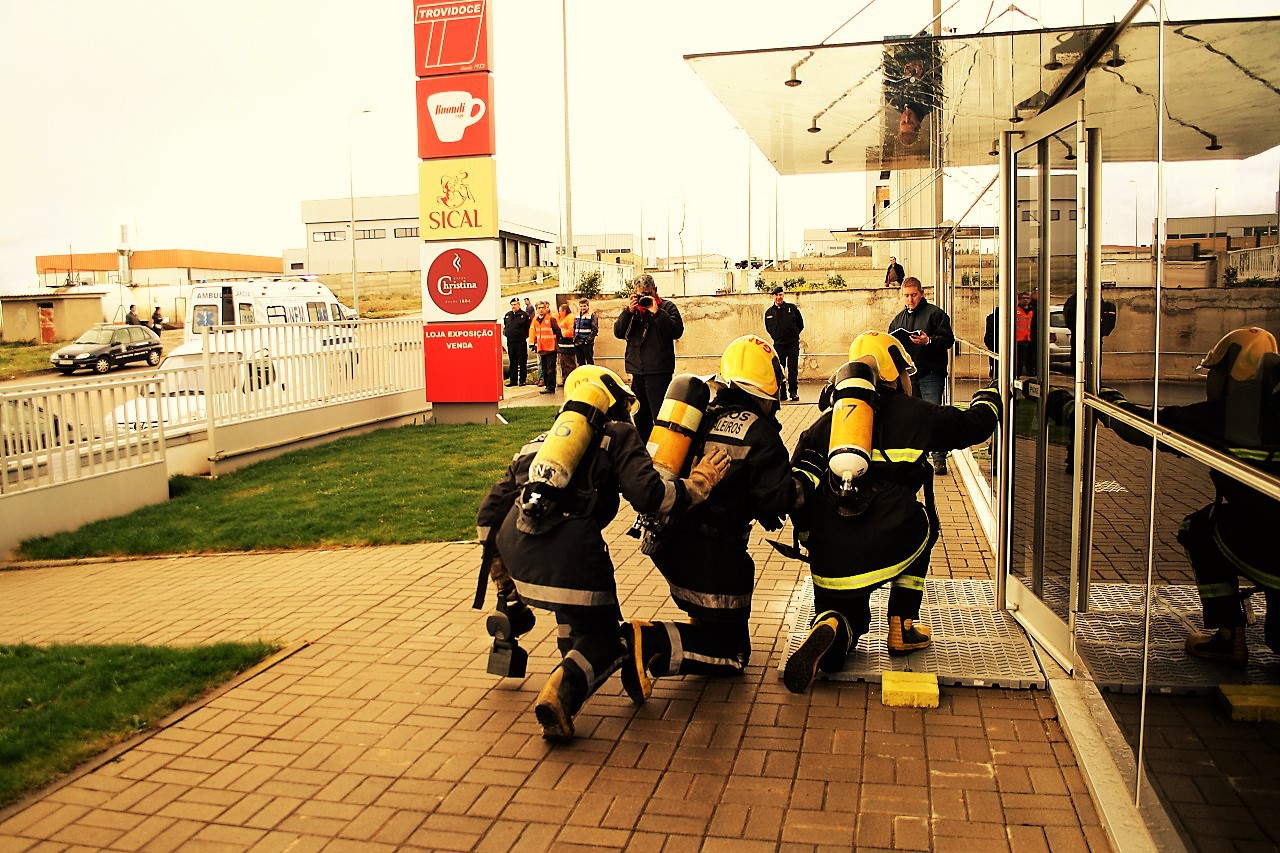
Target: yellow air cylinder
[
  {"x": 558, "y": 458},
  {"x": 677, "y": 423},
  {"x": 852, "y": 421}
]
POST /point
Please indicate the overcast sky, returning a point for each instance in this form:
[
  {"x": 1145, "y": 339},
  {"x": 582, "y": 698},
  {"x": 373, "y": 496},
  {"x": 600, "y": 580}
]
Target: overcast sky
[{"x": 204, "y": 126}]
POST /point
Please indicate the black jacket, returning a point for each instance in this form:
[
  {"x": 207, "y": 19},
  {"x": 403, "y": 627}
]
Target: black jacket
[
  {"x": 650, "y": 338},
  {"x": 894, "y": 274},
  {"x": 930, "y": 357},
  {"x": 784, "y": 323},
  {"x": 883, "y": 524},
  {"x": 515, "y": 324}
]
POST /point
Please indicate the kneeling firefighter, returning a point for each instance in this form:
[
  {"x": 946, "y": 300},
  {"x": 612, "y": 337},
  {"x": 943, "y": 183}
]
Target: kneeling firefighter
[
  {"x": 1227, "y": 538},
  {"x": 548, "y": 511},
  {"x": 861, "y": 466},
  {"x": 703, "y": 553}
]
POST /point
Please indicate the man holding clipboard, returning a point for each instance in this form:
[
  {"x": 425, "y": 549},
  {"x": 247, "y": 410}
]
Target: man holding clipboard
[{"x": 924, "y": 330}]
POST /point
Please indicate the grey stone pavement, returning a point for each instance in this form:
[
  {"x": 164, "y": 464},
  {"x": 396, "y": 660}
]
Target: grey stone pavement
[{"x": 379, "y": 729}]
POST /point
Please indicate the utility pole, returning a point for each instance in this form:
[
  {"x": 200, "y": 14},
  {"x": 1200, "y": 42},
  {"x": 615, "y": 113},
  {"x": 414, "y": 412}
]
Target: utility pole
[{"x": 568, "y": 182}]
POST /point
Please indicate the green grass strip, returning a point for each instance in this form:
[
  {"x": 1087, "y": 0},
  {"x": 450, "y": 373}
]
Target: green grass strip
[
  {"x": 418, "y": 483},
  {"x": 60, "y": 705}
]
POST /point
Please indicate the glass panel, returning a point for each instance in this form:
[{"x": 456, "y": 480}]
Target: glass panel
[{"x": 1024, "y": 507}]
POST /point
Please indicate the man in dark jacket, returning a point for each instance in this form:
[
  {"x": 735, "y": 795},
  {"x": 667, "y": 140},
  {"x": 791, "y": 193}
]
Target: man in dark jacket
[
  {"x": 548, "y": 544},
  {"x": 784, "y": 324},
  {"x": 869, "y": 529},
  {"x": 703, "y": 553},
  {"x": 515, "y": 328},
  {"x": 924, "y": 330},
  {"x": 894, "y": 274},
  {"x": 650, "y": 325}
]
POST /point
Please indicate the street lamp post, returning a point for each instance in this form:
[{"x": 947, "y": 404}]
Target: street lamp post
[
  {"x": 351, "y": 195},
  {"x": 1135, "y": 218}
]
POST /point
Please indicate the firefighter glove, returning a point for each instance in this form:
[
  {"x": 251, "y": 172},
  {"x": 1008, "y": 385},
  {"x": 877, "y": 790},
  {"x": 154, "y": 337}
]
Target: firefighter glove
[
  {"x": 708, "y": 471},
  {"x": 988, "y": 396}
]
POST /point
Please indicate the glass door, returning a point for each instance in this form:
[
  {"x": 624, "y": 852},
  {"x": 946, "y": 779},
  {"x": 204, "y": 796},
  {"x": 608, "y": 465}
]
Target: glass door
[{"x": 1044, "y": 269}]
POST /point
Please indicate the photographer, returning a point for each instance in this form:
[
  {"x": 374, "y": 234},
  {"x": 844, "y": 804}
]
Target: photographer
[{"x": 650, "y": 325}]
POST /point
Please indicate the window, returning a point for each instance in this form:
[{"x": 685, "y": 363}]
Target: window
[
  {"x": 1055, "y": 215},
  {"x": 1026, "y": 216},
  {"x": 371, "y": 233},
  {"x": 295, "y": 265},
  {"x": 276, "y": 314},
  {"x": 317, "y": 312},
  {"x": 1071, "y": 214},
  {"x": 328, "y": 236},
  {"x": 246, "y": 314},
  {"x": 406, "y": 232}
]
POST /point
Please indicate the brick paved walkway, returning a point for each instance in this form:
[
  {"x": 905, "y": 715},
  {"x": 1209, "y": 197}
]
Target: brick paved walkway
[{"x": 385, "y": 732}]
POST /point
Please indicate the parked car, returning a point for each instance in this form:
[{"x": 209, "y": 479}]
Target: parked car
[
  {"x": 106, "y": 346},
  {"x": 27, "y": 428},
  {"x": 531, "y": 361},
  {"x": 1059, "y": 337}
]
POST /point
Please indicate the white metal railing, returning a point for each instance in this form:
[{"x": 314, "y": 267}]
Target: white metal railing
[
  {"x": 613, "y": 277},
  {"x": 1262, "y": 262},
  {"x": 233, "y": 374},
  {"x": 52, "y": 435}
]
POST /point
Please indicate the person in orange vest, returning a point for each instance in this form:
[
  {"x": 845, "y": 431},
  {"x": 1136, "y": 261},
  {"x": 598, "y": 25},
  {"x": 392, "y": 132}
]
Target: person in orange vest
[
  {"x": 1024, "y": 319},
  {"x": 564, "y": 344},
  {"x": 542, "y": 338}
]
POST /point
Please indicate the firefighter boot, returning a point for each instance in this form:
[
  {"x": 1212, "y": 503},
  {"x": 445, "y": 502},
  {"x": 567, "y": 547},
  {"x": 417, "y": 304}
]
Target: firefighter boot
[
  {"x": 645, "y": 643},
  {"x": 905, "y": 636},
  {"x": 1226, "y": 645},
  {"x": 802, "y": 666},
  {"x": 559, "y": 700},
  {"x": 506, "y": 625}
]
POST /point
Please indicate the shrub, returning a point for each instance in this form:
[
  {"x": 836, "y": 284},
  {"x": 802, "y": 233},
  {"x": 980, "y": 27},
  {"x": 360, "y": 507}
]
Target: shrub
[
  {"x": 589, "y": 285},
  {"x": 835, "y": 281}
]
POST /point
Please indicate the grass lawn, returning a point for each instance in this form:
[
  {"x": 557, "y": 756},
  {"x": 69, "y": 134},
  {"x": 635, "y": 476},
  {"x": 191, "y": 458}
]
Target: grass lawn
[
  {"x": 19, "y": 360},
  {"x": 411, "y": 484},
  {"x": 60, "y": 705}
]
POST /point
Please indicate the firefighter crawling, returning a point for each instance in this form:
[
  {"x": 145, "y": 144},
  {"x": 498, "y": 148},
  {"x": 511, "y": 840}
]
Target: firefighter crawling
[
  {"x": 860, "y": 467},
  {"x": 542, "y": 522}
]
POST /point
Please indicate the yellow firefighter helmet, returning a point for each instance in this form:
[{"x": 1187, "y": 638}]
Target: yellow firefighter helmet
[
  {"x": 750, "y": 363},
  {"x": 620, "y": 394},
  {"x": 891, "y": 360},
  {"x": 1249, "y": 343}
]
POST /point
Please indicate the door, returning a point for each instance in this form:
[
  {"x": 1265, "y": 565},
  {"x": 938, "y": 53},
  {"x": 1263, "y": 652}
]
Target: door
[{"x": 1045, "y": 191}]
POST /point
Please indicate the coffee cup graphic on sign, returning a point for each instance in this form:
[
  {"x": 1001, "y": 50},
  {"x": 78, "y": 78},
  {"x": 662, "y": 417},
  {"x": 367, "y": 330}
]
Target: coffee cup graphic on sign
[{"x": 452, "y": 113}]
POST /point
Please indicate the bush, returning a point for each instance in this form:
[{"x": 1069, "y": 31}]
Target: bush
[
  {"x": 589, "y": 285},
  {"x": 761, "y": 285},
  {"x": 835, "y": 282}
]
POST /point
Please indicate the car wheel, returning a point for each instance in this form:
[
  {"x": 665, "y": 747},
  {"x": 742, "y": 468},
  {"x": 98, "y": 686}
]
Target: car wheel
[
  {"x": 102, "y": 365},
  {"x": 153, "y": 358}
]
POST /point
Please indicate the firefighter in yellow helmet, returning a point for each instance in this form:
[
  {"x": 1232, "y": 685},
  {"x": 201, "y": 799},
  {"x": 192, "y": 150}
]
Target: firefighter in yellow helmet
[
  {"x": 541, "y": 524},
  {"x": 859, "y": 514},
  {"x": 703, "y": 553},
  {"x": 1224, "y": 540}
]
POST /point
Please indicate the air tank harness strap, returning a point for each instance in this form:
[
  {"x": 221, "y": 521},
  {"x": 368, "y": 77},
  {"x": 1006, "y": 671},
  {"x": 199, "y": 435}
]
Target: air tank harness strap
[{"x": 594, "y": 416}]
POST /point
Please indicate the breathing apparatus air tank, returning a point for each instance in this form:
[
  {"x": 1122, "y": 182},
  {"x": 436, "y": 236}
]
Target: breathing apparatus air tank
[
  {"x": 852, "y": 421},
  {"x": 580, "y": 418},
  {"x": 677, "y": 423}
]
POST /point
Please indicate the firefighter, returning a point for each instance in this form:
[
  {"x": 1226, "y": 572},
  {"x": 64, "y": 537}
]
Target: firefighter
[
  {"x": 557, "y": 495},
  {"x": 862, "y": 523},
  {"x": 1241, "y": 417},
  {"x": 703, "y": 553}
]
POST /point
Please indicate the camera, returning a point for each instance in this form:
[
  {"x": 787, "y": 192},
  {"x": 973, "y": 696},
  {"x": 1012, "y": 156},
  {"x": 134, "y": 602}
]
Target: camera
[{"x": 644, "y": 301}]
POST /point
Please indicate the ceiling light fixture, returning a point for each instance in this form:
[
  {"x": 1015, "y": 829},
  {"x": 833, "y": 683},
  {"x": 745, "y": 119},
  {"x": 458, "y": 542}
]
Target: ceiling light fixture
[
  {"x": 1213, "y": 144},
  {"x": 827, "y": 161},
  {"x": 813, "y": 128}
]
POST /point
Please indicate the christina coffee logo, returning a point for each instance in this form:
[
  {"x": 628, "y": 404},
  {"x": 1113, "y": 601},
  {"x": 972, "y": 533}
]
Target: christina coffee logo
[{"x": 457, "y": 281}]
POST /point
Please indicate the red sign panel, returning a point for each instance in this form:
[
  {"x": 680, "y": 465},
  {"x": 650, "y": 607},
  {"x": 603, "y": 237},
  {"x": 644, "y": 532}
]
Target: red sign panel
[
  {"x": 451, "y": 37},
  {"x": 463, "y": 362},
  {"x": 457, "y": 281},
  {"x": 455, "y": 116}
]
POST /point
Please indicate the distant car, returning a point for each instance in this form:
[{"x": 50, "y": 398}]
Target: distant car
[
  {"x": 106, "y": 346},
  {"x": 1059, "y": 336}
]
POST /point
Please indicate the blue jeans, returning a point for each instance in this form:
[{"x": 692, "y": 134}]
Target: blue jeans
[{"x": 928, "y": 387}]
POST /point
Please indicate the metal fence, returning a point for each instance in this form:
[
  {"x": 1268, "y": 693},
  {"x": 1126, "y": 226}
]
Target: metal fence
[
  {"x": 231, "y": 375},
  {"x": 1262, "y": 262}
]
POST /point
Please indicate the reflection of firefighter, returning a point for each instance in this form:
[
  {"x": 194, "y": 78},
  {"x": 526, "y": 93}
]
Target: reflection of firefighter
[
  {"x": 541, "y": 528},
  {"x": 703, "y": 553},
  {"x": 862, "y": 522},
  {"x": 1226, "y": 539}
]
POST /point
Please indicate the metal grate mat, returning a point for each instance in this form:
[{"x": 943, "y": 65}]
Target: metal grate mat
[{"x": 974, "y": 644}]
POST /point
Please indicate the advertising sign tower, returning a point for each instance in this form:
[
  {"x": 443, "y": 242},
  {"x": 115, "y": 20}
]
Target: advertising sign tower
[{"x": 458, "y": 209}]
